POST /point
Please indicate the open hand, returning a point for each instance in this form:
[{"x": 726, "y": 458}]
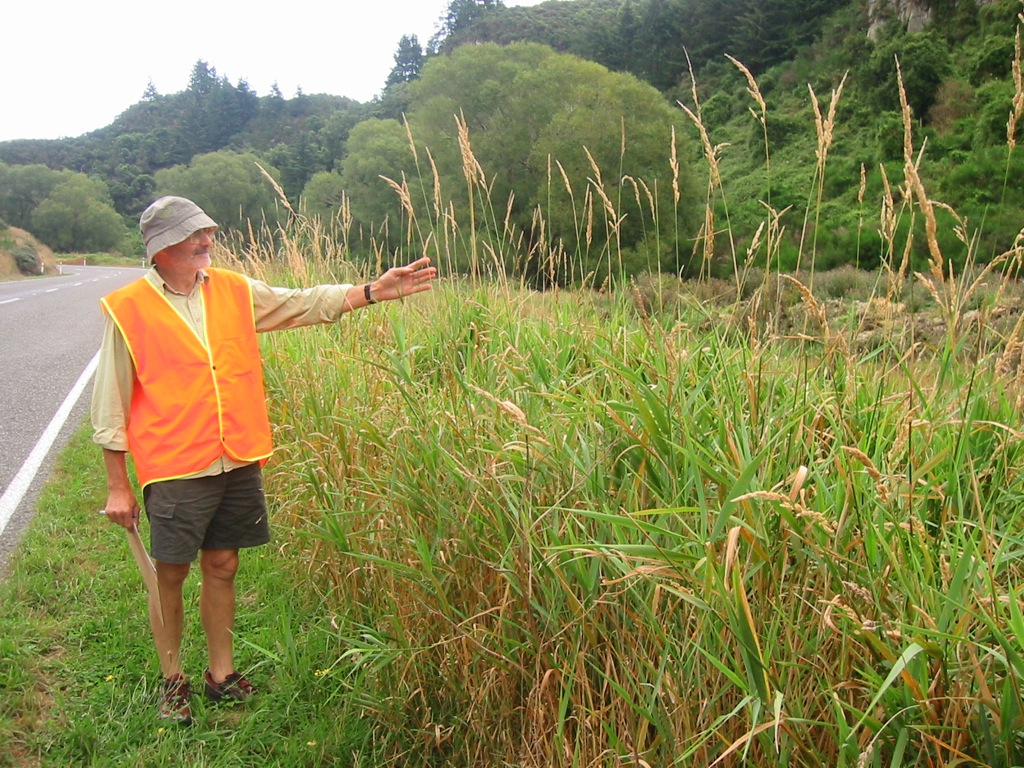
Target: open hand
[{"x": 399, "y": 282}]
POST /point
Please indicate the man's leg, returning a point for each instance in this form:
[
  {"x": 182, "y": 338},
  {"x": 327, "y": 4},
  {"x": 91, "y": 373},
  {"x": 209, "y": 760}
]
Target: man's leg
[
  {"x": 167, "y": 632},
  {"x": 217, "y": 608}
]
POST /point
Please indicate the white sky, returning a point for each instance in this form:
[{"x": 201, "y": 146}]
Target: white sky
[{"x": 69, "y": 67}]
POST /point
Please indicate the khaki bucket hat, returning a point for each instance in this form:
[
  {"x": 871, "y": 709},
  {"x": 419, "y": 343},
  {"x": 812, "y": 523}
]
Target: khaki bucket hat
[{"x": 169, "y": 221}]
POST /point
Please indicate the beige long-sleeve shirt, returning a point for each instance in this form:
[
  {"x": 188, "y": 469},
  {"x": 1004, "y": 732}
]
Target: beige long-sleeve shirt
[{"x": 275, "y": 309}]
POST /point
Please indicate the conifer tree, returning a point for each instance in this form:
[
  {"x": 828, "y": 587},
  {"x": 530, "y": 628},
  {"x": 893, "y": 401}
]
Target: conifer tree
[{"x": 409, "y": 60}]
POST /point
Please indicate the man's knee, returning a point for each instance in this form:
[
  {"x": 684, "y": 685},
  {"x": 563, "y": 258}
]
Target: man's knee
[
  {"x": 219, "y": 563},
  {"x": 172, "y": 574}
]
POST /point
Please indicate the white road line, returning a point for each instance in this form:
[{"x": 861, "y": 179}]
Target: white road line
[
  {"x": 51, "y": 290},
  {"x": 8, "y": 301},
  {"x": 23, "y": 480}
]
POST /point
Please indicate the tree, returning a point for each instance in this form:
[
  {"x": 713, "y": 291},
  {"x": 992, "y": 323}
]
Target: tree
[
  {"x": 393, "y": 103},
  {"x": 131, "y": 190},
  {"x": 297, "y": 162},
  {"x": 479, "y": 83},
  {"x": 229, "y": 186},
  {"x": 203, "y": 79},
  {"x": 661, "y": 59},
  {"x": 377, "y": 148},
  {"x": 611, "y": 135},
  {"x": 459, "y": 15},
  {"x": 333, "y": 135},
  {"x": 409, "y": 60},
  {"x": 763, "y": 37},
  {"x": 924, "y": 63},
  {"x": 619, "y": 41},
  {"x": 322, "y": 198},
  {"x": 78, "y": 216},
  {"x": 22, "y": 189},
  {"x": 214, "y": 110},
  {"x": 527, "y": 108}
]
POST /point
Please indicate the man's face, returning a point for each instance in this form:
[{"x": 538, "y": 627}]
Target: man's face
[{"x": 191, "y": 253}]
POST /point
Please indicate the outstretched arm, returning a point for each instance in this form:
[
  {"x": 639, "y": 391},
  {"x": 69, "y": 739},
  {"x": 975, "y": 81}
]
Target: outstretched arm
[{"x": 279, "y": 308}]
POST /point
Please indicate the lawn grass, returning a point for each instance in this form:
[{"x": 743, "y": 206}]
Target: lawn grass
[{"x": 79, "y": 675}]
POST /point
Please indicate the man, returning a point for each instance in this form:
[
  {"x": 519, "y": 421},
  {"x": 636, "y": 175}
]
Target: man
[{"x": 180, "y": 387}]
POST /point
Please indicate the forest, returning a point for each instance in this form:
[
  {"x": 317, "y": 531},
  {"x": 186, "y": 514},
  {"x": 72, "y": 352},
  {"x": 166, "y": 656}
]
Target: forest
[{"x": 569, "y": 102}]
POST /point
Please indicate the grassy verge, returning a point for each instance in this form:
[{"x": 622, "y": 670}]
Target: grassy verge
[
  {"x": 78, "y": 674},
  {"x": 100, "y": 260}
]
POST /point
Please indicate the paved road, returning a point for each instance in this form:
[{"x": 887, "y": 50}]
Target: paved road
[{"x": 49, "y": 333}]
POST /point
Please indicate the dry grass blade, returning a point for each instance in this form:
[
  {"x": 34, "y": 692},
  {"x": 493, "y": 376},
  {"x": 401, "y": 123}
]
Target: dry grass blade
[
  {"x": 815, "y": 307},
  {"x": 752, "y": 88},
  {"x": 435, "y": 186},
  {"x": 710, "y": 152},
  {"x": 402, "y": 189},
  {"x": 1018, "y": 95},
  {"x": 825, "y": 127},
  {"x": 595, "y": 167},
  {"x": 799, "y": 477},
  {"x": 471, "y": 168},
  {"x": 412, "y": 142},
  {"x": 913, "y": 179},
  {"x": 277, "y": 188},
  {"x": 872, "y": 470},
  {"x": 674, "y": 165}
]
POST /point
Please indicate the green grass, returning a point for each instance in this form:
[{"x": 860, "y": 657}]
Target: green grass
[
  {"x": 560, "y": 531},
  {"x": 553, "y": 529},
  {"x": 100, "y": 259},
  {"x": 78, "y": 676}
]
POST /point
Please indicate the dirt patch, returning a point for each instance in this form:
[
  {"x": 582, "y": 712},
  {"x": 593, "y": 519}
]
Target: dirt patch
[{"x": 12, "y": 238}]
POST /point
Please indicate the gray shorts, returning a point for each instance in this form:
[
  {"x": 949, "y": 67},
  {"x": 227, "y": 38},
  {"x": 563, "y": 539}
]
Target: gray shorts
[{"x": 225, "y": 511}]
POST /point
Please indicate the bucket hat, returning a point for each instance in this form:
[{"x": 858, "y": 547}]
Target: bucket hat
[{"x": 169, "y": 221}]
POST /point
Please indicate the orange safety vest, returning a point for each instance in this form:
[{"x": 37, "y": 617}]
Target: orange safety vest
[{"x": 194, "y": 399}]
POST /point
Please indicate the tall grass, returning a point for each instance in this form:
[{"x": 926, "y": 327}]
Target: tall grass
[{"x": 668, "y": 523}]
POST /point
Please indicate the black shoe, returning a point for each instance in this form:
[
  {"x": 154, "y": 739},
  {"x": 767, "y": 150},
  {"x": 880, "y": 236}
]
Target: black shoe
[{"x": 234, "y": 688}]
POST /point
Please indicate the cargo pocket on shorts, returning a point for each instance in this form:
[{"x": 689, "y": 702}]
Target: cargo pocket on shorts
[{"x": 158, "y": 502}]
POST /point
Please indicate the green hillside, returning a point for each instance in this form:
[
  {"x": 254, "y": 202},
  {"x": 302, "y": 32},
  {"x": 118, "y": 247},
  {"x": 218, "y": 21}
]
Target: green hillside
[{"x": 753, "y": 74}]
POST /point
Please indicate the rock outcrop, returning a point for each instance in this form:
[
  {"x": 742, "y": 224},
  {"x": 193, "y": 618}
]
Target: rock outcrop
[{"x": 914, "y": 15}]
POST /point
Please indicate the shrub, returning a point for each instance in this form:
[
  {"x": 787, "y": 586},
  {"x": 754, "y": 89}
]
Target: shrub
[
  {"x": 846, "y": 282},
  {"x": 995, "y": 100},
  {"x": 782, "y": 129},
  {"x": 989, "y": 59},
  {"x": 953, "y": 101},
  {"x": 718, "y": 109},
  {"x": 889, "y": 136},
  {"x": 26, "y": 259},
  {"x": 925, "y": 64}
]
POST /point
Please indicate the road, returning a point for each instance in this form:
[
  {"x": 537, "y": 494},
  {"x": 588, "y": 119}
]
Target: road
[{"x": 49, "y": 334}]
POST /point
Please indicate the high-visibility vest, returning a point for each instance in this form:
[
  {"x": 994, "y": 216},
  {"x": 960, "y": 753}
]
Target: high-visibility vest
[{"x": 194, "y": 399}]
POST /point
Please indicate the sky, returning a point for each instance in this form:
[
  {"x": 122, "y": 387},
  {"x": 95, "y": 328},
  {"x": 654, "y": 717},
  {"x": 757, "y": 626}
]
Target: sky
[{"x": 68, "y": 67}]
